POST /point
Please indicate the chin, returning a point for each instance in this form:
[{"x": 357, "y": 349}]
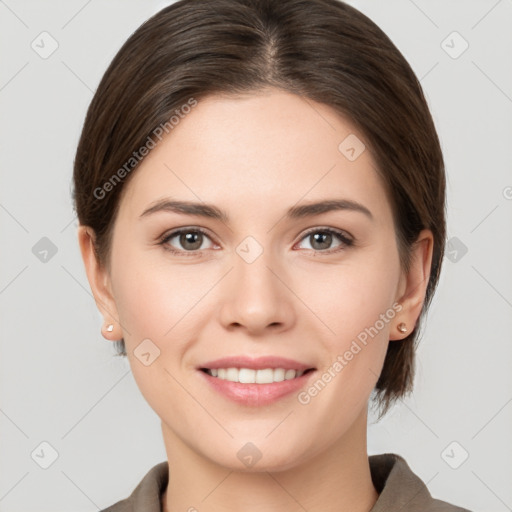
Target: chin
[{"x": 253, "y": 458}]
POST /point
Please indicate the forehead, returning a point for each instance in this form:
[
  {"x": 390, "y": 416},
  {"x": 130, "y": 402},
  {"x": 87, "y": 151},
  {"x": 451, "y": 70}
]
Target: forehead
[{"x": 272, "y": 147}]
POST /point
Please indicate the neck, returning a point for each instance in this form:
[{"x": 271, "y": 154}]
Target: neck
[{"x": 337, "y": 479}]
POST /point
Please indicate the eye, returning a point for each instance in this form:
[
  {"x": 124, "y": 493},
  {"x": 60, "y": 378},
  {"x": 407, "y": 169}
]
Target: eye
[
  {"x": 189, "y": 240},
  {"x": 321, "y": 240}
]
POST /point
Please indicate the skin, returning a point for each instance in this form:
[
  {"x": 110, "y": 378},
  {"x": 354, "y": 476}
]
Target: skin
[{"x": 255, "y": 156}]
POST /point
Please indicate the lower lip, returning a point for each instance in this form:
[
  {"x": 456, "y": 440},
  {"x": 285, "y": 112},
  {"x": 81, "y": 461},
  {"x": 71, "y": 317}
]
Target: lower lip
[{"x": 256, "y": 394}]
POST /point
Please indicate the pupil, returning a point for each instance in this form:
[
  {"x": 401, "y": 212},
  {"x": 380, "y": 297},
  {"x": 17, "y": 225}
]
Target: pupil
[
  {"x": 191, "y": 238},
  {"x": 327, "y": 240}
]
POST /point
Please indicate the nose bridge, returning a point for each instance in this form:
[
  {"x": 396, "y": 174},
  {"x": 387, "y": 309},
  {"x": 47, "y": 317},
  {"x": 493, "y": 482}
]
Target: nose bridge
[
  {"x": 252, "y": 271},
  {"x": 257, "y": 297}
]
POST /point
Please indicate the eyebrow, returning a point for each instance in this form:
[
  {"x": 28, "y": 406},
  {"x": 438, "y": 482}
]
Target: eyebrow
[{"x": 295, "y": 212}]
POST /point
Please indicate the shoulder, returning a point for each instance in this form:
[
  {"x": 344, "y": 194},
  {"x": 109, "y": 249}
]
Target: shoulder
[
  {"x": 399, "y": 487},
  {"x": 146, "y": 497}
]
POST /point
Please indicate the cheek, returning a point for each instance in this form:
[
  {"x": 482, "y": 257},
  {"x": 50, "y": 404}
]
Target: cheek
[
  {"x": 162, "y": 302},
  {"x": 159, "y": 304},
  {"x": 351, "y": 298},
  {"x": 156, "y": 302},
  {"x": 355, "y": 306}
]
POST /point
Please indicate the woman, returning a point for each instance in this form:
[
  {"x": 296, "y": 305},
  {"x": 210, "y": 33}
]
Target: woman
[{"x": 261, "y": 196}]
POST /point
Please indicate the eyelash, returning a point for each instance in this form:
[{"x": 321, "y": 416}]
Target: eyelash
[{"x": 340, "y": 235}]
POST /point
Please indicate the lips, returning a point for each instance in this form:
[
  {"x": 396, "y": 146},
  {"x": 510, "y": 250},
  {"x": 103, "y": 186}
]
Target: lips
[
  {"x": 259, "y": 363},
  {"x": 255, "y": 381}
]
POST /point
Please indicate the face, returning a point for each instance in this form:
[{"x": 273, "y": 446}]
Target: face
[{"x": 267, "y": 279}]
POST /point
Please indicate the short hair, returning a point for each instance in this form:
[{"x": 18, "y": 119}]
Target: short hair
[{"x": 324, "y": 50}]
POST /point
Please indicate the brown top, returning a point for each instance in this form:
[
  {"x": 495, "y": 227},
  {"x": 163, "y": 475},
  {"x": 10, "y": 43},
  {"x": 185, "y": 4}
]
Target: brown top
[{"x": 398, "y": 487}]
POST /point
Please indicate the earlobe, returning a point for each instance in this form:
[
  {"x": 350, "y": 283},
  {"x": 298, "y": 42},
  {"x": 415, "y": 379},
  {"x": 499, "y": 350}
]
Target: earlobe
[
  {"x": 99, "y": 281},
  {"x": 414, "y": 286}
]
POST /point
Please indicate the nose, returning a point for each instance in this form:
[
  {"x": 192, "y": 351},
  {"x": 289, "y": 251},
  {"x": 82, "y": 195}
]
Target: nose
[{"x": 256, "y": 297}]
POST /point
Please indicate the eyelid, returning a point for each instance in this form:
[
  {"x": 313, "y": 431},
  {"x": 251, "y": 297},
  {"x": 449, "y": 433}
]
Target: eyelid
[
  {"x": 338, "y": 231},
  {"x": 345, "y": 238},
  {"x": 168, "y": 235}
]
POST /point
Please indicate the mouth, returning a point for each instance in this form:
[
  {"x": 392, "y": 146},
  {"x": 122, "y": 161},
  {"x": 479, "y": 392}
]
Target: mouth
[
  {"x": 256, "y": 376},
  {"x": 255, "y": 381}
]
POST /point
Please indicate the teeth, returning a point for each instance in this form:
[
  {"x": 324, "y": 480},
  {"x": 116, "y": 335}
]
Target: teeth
[
  {"x": 279, "y": 374},
  {"x": 261, "y": 376},
  {"x": 289, "y": 374},
  {"x": 244, "y": 375},
  {"x": 250, "y": 376},
  {"x": 232, "y": 374}
]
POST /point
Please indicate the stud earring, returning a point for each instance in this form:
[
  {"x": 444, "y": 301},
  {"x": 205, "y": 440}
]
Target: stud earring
[
  {"x": 401, "y": 327},
  {"x": 110, "y": 327}
]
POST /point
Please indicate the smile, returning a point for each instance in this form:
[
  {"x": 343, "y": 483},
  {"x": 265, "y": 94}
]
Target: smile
[
  {"x": 255, "y": 381},
  {"x": 252, "y": 376}
]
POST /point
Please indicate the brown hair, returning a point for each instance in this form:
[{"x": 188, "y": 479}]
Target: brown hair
[{"x": 324, "y": 50}]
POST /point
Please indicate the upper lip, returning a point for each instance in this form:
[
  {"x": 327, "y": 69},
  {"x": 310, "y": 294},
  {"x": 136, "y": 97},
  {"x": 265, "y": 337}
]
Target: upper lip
[{"x": 256, "y": 363}]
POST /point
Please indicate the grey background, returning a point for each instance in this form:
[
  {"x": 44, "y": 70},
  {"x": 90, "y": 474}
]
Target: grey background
[{"x": 59, "y": 381}]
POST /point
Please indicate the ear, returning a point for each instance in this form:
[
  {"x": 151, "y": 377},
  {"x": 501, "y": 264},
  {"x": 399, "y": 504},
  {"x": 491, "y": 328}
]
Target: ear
[
  {"x": 413, "y": 285},
  {"x": 99, "y": 281}
]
